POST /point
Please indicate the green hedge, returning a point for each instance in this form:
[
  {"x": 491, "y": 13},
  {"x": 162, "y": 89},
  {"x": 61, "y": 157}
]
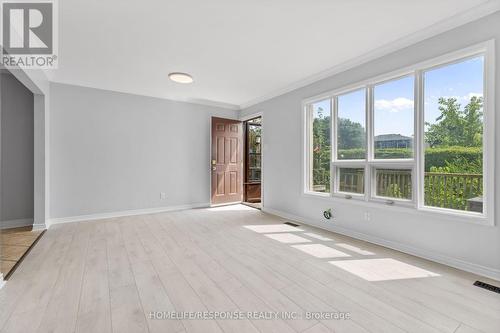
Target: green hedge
[
  {"x": 393, "y": 153},
  {"x": 352, "y": 154},
  {"x": 436, "y": 157},
  {"x": 348, "y": 154}
]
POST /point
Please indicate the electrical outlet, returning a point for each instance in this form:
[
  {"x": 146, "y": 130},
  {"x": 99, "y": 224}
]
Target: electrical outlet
[
  {"x": 163, "y": 195},
  {"x": 367, "y": 216}
]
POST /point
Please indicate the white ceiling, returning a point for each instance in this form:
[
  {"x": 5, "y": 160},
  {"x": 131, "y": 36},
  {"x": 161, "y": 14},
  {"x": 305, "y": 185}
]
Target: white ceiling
[{"x": 237, "y": 51}]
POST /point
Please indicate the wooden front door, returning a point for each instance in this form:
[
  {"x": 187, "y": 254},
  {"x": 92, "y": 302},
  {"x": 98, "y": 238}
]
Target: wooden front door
[{"x": 227, "y": 161}]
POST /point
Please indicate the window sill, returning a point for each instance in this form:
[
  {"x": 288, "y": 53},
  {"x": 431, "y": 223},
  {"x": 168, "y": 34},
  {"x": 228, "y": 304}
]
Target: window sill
[
  {"x": 317, "y": 194},
  {"x": 404, "y": 207}
]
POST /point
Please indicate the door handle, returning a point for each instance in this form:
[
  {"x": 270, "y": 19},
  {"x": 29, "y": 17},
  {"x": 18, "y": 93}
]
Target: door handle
[{"x": 214, "y": 168}]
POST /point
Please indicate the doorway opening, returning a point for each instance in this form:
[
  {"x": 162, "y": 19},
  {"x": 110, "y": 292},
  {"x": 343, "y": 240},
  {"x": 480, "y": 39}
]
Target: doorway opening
[
  {"x": 252, "y": 183},
  {"x": 17, "y": 153},
  {"x": 236, "y": 162}
]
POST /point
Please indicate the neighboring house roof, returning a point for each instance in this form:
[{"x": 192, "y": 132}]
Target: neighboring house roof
[{"x": 391, "y": 137}]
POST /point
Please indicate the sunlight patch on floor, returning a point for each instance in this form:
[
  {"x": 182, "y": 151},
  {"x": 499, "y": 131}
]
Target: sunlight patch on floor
[
  {"x": 355, "y": 249},
  {"x": 382, "y": 269},
  {"x": 288, "y": 238},
  {"x": 320, "y": 251},
  {"x": 267, "y": 228},
  {"x": 316, "y": 236}
]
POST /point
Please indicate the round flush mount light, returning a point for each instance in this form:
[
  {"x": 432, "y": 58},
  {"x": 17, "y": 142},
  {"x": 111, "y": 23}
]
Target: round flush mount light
[{"x": 180, "y": 77}]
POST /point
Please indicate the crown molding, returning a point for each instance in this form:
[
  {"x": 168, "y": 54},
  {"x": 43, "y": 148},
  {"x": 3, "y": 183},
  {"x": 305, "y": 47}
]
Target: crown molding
[
  {"x": 455, "y": 21},
  {"x": 216, "y": 104}
]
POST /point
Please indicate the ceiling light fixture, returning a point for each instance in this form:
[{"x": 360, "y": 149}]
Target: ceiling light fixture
[{"x": 180, "y": 77}]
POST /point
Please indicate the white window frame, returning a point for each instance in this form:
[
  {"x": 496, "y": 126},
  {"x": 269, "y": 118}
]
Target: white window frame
[
  {"x": 388, "y": 200},
  {"x": 415, "y": 164},
  {"x": 353, "y": 163},
  {"x": 308, "y": 161}
]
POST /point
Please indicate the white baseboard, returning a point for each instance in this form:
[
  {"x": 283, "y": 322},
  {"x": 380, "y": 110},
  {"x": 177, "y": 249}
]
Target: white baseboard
[
  {"x": 39, "y": 226},
  {"x": 133, "y": 212},
  {"x": 16, "y": 223},
  {"x": 2, "y": 281},
  {"x": 418, "y": 252}
]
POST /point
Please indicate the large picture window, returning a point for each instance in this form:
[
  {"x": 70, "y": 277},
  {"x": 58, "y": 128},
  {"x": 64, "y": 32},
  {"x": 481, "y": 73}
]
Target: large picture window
[
  {"x": 417, "y": 138},
  {"x": 454, "y": 135}
]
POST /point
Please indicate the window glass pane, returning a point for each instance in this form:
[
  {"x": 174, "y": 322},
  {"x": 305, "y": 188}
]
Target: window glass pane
[
  {"x": 351, "y": 132},
  {"x": 394, "y": 119},
  {"x": 454, "y": 136},
  {"x": 254, "y": 135},
  {"x": 321, "y": 146},
  {"x": 393, "y": 183},
  {"x": 352, "y": 180}
]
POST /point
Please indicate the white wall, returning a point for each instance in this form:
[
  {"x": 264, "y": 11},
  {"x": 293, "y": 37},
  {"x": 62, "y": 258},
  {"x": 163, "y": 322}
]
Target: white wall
[
  {"x": 113, "y": 152},
  {"x": 36, "y": 81},
  {"x": 17, "y": 151},
  {"x": 471, "y": 247}
]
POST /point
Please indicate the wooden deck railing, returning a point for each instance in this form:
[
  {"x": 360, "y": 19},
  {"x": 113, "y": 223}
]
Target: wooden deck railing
[
  {"x": 445, "y": 190},
  {"x": 452, "y": 190},
  {"x": 352, "y": 181}
]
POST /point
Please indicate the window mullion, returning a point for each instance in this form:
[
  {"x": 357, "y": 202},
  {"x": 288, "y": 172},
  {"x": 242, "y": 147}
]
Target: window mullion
[
  {"x": 369, "y": 123},
  {"x": 369, "y": 142},
  {"x": 309, "y": 144},
  {"x": 419, "y": 149},
  {"x": 333, "y": 141}
]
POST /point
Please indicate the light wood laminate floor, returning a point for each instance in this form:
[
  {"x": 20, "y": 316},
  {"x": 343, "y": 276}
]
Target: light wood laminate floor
[
  {"x": 109, "y": 275},
  {"x": 14, "y": 243}
]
